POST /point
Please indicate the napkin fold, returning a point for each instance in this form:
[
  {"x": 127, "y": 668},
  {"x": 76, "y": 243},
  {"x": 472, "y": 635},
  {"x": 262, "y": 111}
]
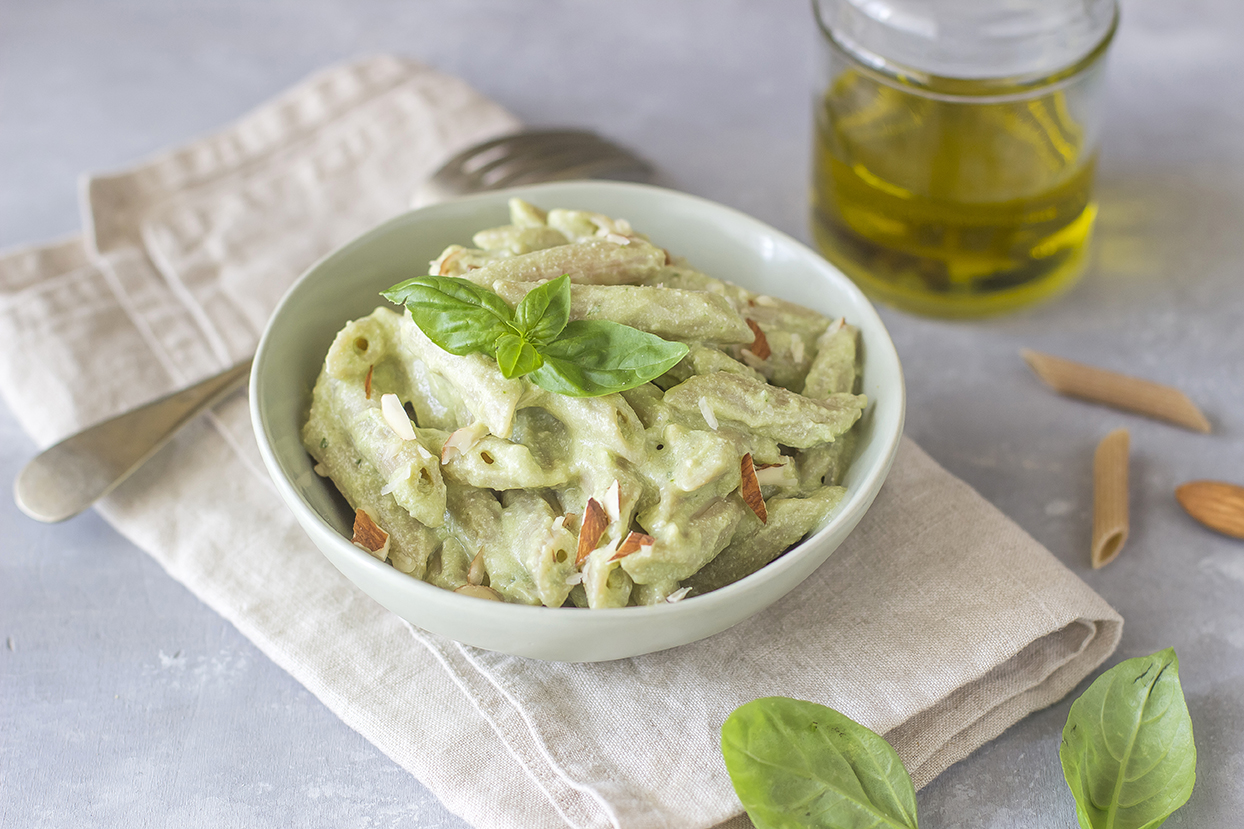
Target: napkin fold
[{"x": 938, "y": 623}]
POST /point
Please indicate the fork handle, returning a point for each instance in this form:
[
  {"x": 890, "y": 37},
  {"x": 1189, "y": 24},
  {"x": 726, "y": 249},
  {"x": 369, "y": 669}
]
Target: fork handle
[{"x": 70, "y": 476}]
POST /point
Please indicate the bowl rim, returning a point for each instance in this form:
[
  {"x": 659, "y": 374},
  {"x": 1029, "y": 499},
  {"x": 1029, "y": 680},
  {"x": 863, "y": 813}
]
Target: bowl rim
[{"x": 848, "y": 513}]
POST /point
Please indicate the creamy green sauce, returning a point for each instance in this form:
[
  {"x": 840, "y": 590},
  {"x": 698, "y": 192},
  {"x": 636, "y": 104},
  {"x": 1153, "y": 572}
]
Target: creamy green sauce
[{"x": 482, "y": 483}]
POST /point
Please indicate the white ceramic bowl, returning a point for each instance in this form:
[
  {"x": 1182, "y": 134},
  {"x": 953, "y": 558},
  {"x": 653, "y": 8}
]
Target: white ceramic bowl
[{"x": 717, "y": 240}]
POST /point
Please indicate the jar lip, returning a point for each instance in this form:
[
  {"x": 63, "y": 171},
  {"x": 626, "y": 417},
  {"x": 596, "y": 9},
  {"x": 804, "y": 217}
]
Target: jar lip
[{"x": 975, "y": 90}]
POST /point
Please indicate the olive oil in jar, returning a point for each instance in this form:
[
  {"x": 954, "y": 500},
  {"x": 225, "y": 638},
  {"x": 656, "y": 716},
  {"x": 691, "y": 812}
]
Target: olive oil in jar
[{"x": 948, "y": 202}]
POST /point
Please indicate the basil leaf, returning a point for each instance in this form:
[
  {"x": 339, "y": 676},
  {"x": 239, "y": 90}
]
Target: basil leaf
[
  {"x": 799, "y": 764},
  {"x": 456, "y": 314},
  {"x": 545, "y": 310},
  {"x": 595, "y": 357},
  {"x": 516, "y": 356},
  {"x": 1127, "y": 749}
]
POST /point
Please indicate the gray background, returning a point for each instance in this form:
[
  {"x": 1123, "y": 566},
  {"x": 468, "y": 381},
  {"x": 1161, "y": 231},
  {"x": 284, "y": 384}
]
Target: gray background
[{"x": 125, "y": 702}]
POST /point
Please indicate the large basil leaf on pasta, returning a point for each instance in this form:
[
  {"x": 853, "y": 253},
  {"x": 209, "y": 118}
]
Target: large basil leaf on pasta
[
  {"x": 799, "y": 764},
  {"x": 1127, "y": 749},
  {"x": 544, "y": 312},
  {"x": 456, "y": 314},
  {"x": 595, "y": 357}
]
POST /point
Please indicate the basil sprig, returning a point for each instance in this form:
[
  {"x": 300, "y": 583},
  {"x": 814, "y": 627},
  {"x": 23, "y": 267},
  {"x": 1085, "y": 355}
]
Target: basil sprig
[
  {"x": 796, "y": 763},
  {"x": 1127, "y": 749},
  {"x": 1127, "y": 754},
  {"x": 584, "y": 358}
]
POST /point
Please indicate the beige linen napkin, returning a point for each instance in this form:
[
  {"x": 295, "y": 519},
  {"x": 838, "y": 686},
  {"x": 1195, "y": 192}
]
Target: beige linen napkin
[{"x": 938, "y": 623}]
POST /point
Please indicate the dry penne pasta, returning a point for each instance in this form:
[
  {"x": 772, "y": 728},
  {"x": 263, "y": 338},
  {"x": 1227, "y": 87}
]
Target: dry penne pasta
[
  {"x": 1120, "y": 391},
  {"x": 1110, "y": 517}
]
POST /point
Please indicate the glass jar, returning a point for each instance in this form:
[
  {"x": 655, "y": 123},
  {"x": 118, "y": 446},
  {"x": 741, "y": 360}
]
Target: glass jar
[{"x": 955, "y": 147}]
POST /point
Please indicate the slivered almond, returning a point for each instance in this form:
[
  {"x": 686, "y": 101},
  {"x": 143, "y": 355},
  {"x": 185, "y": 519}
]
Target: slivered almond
[
  {"x": 367, "y": 383},
  {"x": 710, "y": 417},
  {"x": 760, "y": 345},
  {"x": 594, "y": 523},
  {"x": 796, "y": 348},
  {"x": 633, "y": 544},
  {"x": 678, "y": 595},
  {"x": 368, "y": 536},
  {"x": 749, "y": 488}
]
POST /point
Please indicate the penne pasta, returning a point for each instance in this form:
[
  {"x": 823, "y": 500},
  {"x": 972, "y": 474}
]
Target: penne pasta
[
  {"x": 500, "y": 488},
  {"x": 788, "y": 418},
  {"x": 1120, "y": 391},
  {"x": 687, "y": 316},
  {"x": 1110, "y": 515}
]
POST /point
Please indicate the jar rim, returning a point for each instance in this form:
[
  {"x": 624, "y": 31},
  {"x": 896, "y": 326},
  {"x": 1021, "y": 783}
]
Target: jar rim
[{"x": 975, "y": 90}]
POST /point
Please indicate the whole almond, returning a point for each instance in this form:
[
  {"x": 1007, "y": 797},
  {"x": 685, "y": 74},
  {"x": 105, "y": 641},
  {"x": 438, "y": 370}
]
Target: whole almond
[{"x": 1217, "y": 505}]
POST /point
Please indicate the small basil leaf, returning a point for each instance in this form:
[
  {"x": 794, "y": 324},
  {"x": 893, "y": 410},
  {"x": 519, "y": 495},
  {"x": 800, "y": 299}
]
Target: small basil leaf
[
  {"x": 1127, "y": 749},
  {"x": 799, "y": 764},
  {"x": 543, "y": 313},
  {"x": 595, "y": 357},
  {"x": 516, "y": 356},
  {"x": 456, "y": 314}
]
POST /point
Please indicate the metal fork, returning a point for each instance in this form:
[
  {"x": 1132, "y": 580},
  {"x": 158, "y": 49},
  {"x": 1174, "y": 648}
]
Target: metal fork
[
  {"x": 67, "y": 478},
  {"x": 528, "y": 157}
]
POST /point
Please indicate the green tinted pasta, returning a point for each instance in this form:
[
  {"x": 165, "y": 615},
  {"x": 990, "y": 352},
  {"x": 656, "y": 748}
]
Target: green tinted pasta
[{"x": 482, "y": 481}]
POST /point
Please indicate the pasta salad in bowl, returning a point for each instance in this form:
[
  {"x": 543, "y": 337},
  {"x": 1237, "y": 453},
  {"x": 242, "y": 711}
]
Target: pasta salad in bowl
[{"x": 606, "y": 419}]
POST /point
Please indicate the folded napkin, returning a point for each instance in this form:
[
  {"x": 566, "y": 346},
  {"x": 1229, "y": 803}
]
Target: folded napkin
[{"x": 939, "y": 622}]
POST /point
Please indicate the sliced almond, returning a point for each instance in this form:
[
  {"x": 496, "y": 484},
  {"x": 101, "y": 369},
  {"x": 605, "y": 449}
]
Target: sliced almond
[
  {"x": 463, "y": 440},
  {"x": 749, "y": 488},
  {"x": 776, "y": 474},
  {"x": 760, "y": 345},
  {"x": 479, "y": 591},
  {"x": 633, "y": 544},
  {"x": 613, "y": 501},
  {"x": 448, "y": 262},
  {"x": 1216, "y": 504},
  {"x": 594, "y": 523},
  {"x": 476, "y": 573},
  {"x": 367, "y": 383},
  {"x": 395, "y": 416},
  {"x": 368, "y": 536}
]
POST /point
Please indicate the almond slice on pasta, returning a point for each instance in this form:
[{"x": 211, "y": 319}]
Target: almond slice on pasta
[
  {"x": 1110, "y": 515},
  {"x": 749, "y": 488},
  {"x": 594, "y": 523},
  {"x": 760, "y": 345},
  {"x": 368, "y": 535},
  {"x": 1119, "y": 391},
  {"x": 633, "y": 544}
]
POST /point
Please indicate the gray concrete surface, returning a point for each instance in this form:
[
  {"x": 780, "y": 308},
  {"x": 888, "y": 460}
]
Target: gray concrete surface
[{"x": 125, "y": 702}]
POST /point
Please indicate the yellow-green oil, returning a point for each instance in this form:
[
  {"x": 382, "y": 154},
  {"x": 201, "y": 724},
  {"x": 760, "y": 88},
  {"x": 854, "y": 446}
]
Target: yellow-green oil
[{"x": 951, "y": 206}]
